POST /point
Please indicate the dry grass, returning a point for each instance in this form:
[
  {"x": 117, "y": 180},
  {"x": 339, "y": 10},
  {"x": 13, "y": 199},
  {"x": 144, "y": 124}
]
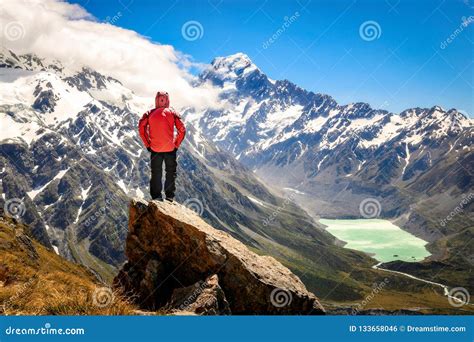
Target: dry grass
[
  {"x": 48, "y": 284},
  {"x": 428, "y": 302}
]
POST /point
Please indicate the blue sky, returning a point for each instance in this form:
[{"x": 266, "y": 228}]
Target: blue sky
[{"x": 409, "y": 62}]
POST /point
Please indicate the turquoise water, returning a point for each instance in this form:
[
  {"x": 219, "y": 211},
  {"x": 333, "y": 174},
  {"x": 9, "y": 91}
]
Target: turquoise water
[{"x": 381, "y": 238}]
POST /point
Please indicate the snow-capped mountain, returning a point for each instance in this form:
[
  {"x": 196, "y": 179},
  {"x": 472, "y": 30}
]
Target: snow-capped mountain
[
  {"x": 70, "y": 153},
  {"x": 58, "y": 136},
  {"x": 414, "y": 168},
  {"x": 263, "y": 115},
  {"x": 333, "y": 156}
]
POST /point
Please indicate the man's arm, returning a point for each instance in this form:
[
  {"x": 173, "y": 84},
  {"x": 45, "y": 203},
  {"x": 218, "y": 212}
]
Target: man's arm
[
  {"x": 143, "y": 130},
  {"x": 181, "y": 130}
]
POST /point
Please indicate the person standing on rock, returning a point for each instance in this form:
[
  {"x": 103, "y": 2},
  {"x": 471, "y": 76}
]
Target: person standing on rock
[{"x": 156, "y": 128}]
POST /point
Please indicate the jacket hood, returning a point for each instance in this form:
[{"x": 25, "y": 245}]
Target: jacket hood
[{"x": 162, "y": 99}]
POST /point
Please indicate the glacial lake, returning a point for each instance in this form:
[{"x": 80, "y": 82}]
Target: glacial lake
[{"x": 381, "y": 238}]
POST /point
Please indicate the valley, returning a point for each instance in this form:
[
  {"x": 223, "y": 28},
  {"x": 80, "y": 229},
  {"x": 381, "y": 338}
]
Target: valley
[{"x": 379, "y": 238}]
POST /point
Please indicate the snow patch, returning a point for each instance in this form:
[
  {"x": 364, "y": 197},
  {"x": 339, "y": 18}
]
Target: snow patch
[
  {"x": 294, "y": 190},
  {"x": 78, "y": 214},
  {"x": 256, "y": 201},
  {"x": 407, "y": 159},
  {"x": 121, "y": 184},
  {"x": 85, "y": 192},
  {"x": 139, "y": 193},
  {"x": 33, "y": 193}
]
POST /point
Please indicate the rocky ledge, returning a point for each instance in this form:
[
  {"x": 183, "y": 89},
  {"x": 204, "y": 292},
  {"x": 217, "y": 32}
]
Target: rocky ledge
[{"x": 179, "y": 264}]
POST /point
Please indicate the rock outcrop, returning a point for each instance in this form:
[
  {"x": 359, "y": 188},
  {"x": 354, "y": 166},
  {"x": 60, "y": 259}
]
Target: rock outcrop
[
  {"x": 180, "y": 264},
  {"x": 203, "y": 298}
]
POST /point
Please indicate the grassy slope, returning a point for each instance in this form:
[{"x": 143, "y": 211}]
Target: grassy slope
[{"x": 46, "y": 284}]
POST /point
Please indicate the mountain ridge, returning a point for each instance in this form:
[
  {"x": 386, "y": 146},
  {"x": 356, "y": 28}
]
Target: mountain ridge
[
  {"x": 243, "y": 62},
  {"x": 260, "y": 139},
  {"x": 79, "y": 159}
]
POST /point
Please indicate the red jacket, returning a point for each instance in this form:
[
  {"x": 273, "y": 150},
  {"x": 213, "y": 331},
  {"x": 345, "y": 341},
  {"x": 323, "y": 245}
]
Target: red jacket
[{"x": 156, "y": 129}]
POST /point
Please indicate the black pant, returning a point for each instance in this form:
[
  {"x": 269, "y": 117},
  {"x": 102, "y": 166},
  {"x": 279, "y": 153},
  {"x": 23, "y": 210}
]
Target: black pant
[{"x": 157, "y": 159}]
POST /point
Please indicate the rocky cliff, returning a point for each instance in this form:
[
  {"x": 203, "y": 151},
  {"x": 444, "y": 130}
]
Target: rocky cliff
[{"x": 178, "y": 263}]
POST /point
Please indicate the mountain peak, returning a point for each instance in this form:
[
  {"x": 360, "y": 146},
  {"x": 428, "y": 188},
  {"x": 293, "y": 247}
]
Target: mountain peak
[
  {"x": 238, "y": 57},
  {"x": 238, "y": 63},
  {"x": 230, "y": 69}
]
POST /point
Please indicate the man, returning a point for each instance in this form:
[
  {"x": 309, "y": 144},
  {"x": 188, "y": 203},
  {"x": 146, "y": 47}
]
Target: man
[{"x": 156, "y": 129}]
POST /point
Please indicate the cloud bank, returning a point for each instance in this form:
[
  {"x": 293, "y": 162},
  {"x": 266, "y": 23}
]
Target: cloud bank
[{"x": 67, "y": 32}]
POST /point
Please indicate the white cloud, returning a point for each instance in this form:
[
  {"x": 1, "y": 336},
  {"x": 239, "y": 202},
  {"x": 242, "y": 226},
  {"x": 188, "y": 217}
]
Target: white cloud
[{"x": 67, "y": 32}]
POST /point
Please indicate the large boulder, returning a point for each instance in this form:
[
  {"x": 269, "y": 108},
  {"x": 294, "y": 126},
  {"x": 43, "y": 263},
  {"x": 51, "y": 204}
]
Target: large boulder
[
  {"x": 203, "y": 298},
  {"x": 169, "y": 247}
]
